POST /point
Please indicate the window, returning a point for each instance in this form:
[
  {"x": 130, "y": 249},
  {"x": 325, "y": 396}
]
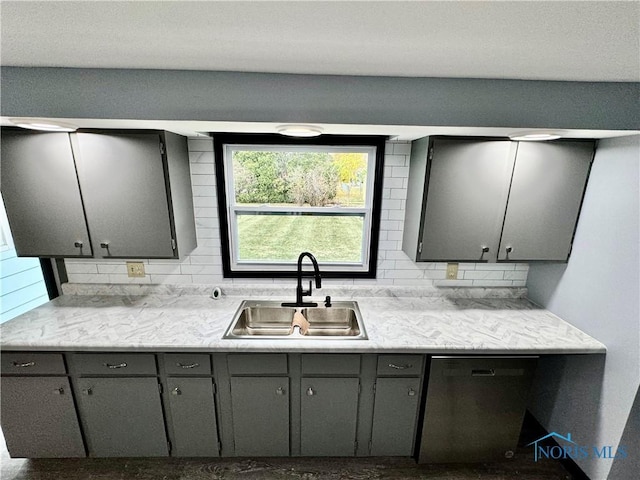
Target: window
[{"x": 278, "y": 197}]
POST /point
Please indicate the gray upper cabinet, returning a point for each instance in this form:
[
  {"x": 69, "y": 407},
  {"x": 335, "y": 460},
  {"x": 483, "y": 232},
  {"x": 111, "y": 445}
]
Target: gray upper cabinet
[
  {"x": 42, "y": 196},
  {"x": 548, "y": 183},
  {"x": 130, "y": 192},
  {"x": 485, "y": 200}
]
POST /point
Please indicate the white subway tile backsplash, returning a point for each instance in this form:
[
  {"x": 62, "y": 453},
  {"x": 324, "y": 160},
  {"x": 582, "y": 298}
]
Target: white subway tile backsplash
[
  {"x": 202, "y": 169},
  {"x": 401, "y": 148},
  {"x": 73, "y": 267},
  {"x": 107, "y": 268},
  {"x": 402, "y": 172},
  {"x": 483, "y": 275},
  {"x": 203, "y": 190},
  {"x": 204, "y": 264},
  {"x": 399, "y": 193},
  {"x": 208, "y": 180},
  {"x": 395, "y": 160},
  {"x": 200, "y": 144},
  {"x": 516, "y": 275},
  {"x": 163, "y": 269},
  {"x": 207, "y": 202}
]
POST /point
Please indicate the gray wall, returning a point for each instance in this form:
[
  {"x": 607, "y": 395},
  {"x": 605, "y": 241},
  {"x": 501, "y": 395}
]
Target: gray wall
[
  {"x": 598, "y": 292},
  {"x": 261, "y": 97}
]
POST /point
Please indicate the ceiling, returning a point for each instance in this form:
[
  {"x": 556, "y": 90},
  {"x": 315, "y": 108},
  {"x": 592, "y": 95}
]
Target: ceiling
[{"x": 537, "y": 40}]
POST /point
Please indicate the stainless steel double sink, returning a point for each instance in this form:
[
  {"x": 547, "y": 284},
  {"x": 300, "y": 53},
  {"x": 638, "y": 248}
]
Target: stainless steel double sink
[{"x": 270, "y": 320}]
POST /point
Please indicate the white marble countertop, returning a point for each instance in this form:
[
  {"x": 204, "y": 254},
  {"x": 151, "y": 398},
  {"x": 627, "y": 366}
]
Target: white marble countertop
[{"x": 163, "y": 322}]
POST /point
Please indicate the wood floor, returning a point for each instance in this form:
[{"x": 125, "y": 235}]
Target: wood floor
[{"x": 521, "y": 467}]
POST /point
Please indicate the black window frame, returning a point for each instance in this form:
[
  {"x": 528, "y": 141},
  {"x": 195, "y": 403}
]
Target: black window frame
[{"x": 222, "y": 139}]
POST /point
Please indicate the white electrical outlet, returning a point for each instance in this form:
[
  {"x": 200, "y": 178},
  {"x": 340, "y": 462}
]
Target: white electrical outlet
[
  {"x": 452, "y": 271},
  {"x": 135, "y": 269}
]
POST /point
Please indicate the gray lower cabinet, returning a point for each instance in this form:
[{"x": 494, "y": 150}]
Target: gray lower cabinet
[
  {"x": 260, "y": 409},
  {"x": 394, "y": 416},
  {"x": 122, "y": 417},
  {"x": 39, "y": 418},
  {"x": 474, "y": 408},
  {"x": 193, "y": 417},
  {"x": 329, "y": 415}
]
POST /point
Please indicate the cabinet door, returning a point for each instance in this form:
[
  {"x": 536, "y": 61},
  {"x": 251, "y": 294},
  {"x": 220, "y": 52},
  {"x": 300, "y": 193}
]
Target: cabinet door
[
  {"x": 193, "y": 417},
  {"x": 260, "y": 408},
  {"x": 122, "y": 417},
  {"x": 41, "y": 195},
  {"x": 548, "y": 184},
  {"x": 394, "y": 416},
  {"x": 125, "y": 193},
  {"x": 329, "y": 409},
  {"x": 39, "y": 418},
  {"x": 468, "y": 182}
]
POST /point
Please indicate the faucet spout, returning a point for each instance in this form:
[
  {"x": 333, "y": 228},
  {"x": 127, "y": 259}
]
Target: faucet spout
[{"x": 300, "y": 291}]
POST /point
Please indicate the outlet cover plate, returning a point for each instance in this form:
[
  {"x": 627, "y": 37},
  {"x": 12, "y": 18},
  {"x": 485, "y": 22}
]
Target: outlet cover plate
[
  {"x": 452, "y": 271},
  {"x": 135, "y": 269}
]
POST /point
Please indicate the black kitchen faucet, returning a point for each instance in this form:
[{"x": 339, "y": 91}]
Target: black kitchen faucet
[{"x": 300, "y": 292}]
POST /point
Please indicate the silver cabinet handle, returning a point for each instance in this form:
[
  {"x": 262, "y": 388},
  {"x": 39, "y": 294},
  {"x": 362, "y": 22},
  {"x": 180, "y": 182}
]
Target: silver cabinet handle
[
  {"x": 411, "y": 392},
  {"x": 400, "y": 367},
  {"x": 104, "y": 245},
  {"x": 87, "y": 391},
  {"x": 78, "y": 244},
  {"x": 59, "y": 391},
  {"x": 509, "y": 249},
  {"x": 310, "y": 391},
  {"x": 176, "y": 391},
  {"x": 187, "y": 365},
  {"x": 279, "y": 391},
  {"x": 489, "y": 372},
  {"x": 485, "y": 249},
  {"x": 23, "y": 364},
  {"x": 115, "y": 365}
]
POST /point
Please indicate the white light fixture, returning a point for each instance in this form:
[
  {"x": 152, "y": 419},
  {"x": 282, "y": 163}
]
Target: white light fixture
[
  {"x": 299, "y": 130},
  {"x": 536, "y": 136},
  {"x": 43, "y": 124}
]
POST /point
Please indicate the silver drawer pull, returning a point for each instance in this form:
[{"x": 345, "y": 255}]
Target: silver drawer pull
[
  {"x": 400, "y": 367},
  {"x": 176, "y": 391},
  {"x": 115, "y": 365},
  {"x": 87, "y": 391},
  {"x": 280, "y": 391},
  {"x": 23, "y": 364},
  {"x": 187, "y": 365},
  {"x": 310, "y": 391},
  {"x": 411, "y": 392},
  {"x": 489, "y": 372},
  {"x": 59, "y": 391}
]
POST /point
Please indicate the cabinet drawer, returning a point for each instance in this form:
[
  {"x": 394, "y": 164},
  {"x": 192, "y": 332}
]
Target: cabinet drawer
[
  {"x": 25, "y": 363},
  {"x": 187, "y": 364},
  {"x": 114, "y": 364},
  {"x": 330, "y": 364},
  {"x": 399, "y": 365},
  {"x": 257, "y": 364}
]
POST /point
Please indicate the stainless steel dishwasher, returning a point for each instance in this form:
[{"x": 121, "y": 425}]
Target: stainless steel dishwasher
[{"x": 474, "y": 408}]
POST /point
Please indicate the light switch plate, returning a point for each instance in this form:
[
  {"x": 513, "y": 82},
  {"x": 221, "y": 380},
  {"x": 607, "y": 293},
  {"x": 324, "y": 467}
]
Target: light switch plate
[
  {"x": 135, "y": 269},
  {"x": 452, "y": 271}
]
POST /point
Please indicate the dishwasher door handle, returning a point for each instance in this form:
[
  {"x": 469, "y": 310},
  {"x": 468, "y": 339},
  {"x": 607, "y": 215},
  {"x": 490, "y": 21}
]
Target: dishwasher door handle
[{"x": 487, "y": 372}]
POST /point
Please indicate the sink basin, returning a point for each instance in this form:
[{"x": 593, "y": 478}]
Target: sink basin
[{"x": 269, "y": 320}]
